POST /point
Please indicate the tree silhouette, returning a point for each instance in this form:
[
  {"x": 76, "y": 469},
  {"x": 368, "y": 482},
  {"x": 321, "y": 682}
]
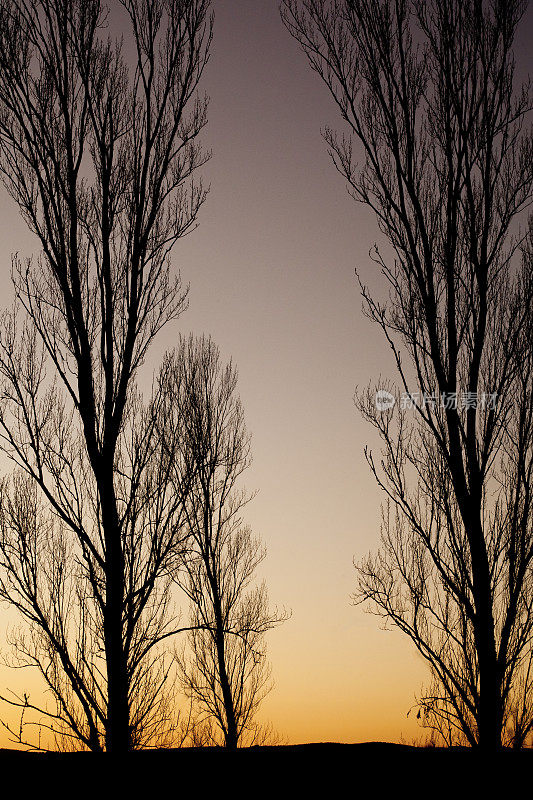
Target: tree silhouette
[
  {"x": 99, "y": 155},
  {"x": 427, "y": 91},
  {"x": 225, "y": 673}
]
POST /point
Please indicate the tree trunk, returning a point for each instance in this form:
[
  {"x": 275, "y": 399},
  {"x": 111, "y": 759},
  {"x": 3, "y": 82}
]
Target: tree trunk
[
  {"x": 117, "y": 727},
  {"x": 490, "y": 706},
  {"x": 117, "y": 724},
  {"x": 490, "y": 715},
  {"x": 231, "y": 735}
]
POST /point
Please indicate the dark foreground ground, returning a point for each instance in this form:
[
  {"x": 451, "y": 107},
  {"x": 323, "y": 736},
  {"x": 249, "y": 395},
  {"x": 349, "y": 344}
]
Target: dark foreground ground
[{"x": 369, "y": 770}]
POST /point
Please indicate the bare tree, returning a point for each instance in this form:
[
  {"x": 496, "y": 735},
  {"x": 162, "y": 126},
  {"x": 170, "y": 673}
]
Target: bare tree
[
  {"x": 225, "y": 672},
  {"x": 427, "y": 90},
  {"x": 99, "y": 156}
]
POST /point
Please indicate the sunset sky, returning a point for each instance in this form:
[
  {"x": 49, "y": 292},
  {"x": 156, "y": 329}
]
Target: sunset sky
[{"x": 271, "y": 273}]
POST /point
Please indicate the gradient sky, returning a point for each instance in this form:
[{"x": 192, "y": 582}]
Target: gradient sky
[{"x": 271, "y": 269}]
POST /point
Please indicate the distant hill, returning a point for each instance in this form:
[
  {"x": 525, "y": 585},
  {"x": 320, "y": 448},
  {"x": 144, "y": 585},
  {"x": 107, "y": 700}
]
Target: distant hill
[{"x": 330, "y": 770}]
